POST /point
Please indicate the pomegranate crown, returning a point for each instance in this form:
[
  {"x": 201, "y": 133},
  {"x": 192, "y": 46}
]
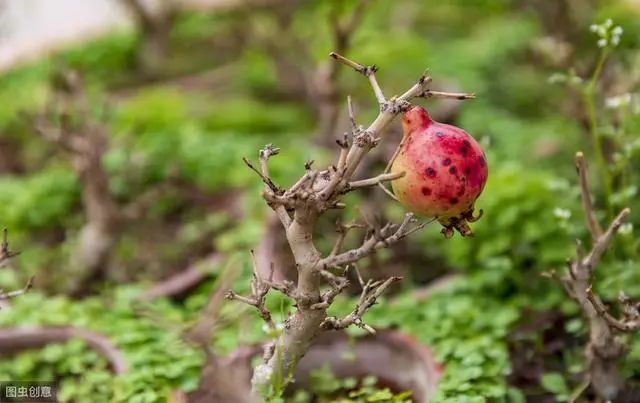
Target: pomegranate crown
[{"x": 415, "y": 118}]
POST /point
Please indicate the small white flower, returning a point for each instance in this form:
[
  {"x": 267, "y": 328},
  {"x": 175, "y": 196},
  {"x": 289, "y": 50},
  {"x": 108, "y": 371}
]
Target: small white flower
[
  {"x": 593, "y": 27},
  {"x": 617, "y": 30},
  {"x": 561, "y": 213},
  {"x": 608, "y": 23},
  {"x": 557, "y": 184},
  {"x": 575, "y": 80},
  {"x": 262, "y": 374},
  {"x": 612, "y": 103},
  {"x": 626, "y": 228},
  {"x": 617, "y": 101},
  {"x": 615, "y": 40},
  {"x": 557, "y": 78},
  {"x": 602, "y": 43}
]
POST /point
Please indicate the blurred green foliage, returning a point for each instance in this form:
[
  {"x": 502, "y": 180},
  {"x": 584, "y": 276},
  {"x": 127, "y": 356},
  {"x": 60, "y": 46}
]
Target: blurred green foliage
[
  {"x": 159, "y": 361},
  {"x": 159, "y": 131}
]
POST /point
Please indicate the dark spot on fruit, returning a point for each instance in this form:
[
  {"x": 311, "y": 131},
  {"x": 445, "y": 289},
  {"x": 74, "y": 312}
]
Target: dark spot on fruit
[
  {"x": 440, "y": 134},
  {"x": 453, "y": 170},
  {"x": 461, "y": 191},
  {"x": 466, "y": 143},
  {"x": 467, "y": 170},
  {"x": 446, "y": 162},
  {"x": 431, "y": 173},
  {"x": 453, "y": 200},
  {"x": 482, "y": 161},
  {"x": 464, "y": 150},
  {"x": 463, "y": 179},
  {"x": 426, "y": 191}
]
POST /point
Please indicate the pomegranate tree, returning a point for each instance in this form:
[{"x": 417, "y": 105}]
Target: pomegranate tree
[{"x": 445, "y": 171}]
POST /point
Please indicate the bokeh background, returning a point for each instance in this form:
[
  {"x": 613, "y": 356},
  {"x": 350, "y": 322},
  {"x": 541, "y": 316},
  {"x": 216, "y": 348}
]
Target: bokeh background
[{"x": 131, "y": 238}]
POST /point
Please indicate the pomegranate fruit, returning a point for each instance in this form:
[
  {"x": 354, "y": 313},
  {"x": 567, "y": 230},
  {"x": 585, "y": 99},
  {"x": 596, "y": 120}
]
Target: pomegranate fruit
[{"x": 445, "y": 171}]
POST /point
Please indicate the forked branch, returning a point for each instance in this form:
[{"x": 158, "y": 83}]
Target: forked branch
[
  {"x": 299, "y": 208},
  {"x": 371, "y": 291},
  {"x": 5, "y": 255},
  {"x": 604, "y": 349},
  {"x": 5, "y": 252}
]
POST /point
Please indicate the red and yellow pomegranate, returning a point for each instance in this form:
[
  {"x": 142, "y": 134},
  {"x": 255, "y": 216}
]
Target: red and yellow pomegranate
[{"x": 445, "y": 171}]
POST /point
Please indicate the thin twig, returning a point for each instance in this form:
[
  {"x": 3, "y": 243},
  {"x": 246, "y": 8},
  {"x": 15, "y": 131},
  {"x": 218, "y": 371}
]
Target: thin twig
[
  {"x": 601, "y": 245},
  {"x": 16, "y": 293},
  {"x": 450, "y": 95},
  {"x": 267, "y": 181},
  {"x": 5, "y": 252},
  {"x": 371, "y": 291},
  {"x": 385, "y": 177},
  {"x": 367, "y": 71},
  {"x": 627, "y": 325},
  {"x": 373, "y": 243},
  {"x": 342, "y": 230},
  {"x": 259, "y": 290},
  {"x": 352, "y": 116},
  {"x": 587, "y": 206}
]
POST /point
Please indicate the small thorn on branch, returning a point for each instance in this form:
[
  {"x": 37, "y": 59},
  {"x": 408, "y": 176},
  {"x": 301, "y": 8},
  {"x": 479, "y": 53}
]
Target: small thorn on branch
[{"x": 308, "y": 165}]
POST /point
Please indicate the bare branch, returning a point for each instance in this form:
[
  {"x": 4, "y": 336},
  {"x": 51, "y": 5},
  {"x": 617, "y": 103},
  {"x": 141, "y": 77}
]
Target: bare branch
[
  {"x": 386, "y": 238},
  {"x": 601, "y": 245},
  {"x": 342, "y": 230},
  {"x": 311, "y": 196},
  {"x": 182, "y": 281},
  {"x": 630, "y": 324},
  {"x": 604, "y": 349},
  {"x": 371, "y": 291},
  {"x": 267, "y": 181},
  {"x": 259, "y": 290},
  {"x": 336, "y": 286},
  {"x": 377, "y": 180},
  {"x": 271, "y": 190},
  {"x": 587, "y": 206},
  {"x": 29, "y": 337},
  {"x": 450, "y": 95},
  {"x": 5, "y": 252},
  {"x": 12, "y": 294},
  {"x": 352, "y": 116},
  {"x": 365, "y": 139},
  {"x": 367, "y": 71}
]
